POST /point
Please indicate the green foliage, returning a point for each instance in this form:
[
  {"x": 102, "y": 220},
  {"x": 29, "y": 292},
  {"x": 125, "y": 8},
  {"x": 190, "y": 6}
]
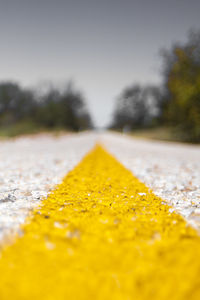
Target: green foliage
[
  {"x": 54, "y": 109},
  {"x": 175, "y": 105},
  {"x": 182, "y": 86}
]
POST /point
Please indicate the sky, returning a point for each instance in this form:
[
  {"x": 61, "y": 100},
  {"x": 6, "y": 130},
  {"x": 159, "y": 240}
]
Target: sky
[{"x": 103, "y": 46}]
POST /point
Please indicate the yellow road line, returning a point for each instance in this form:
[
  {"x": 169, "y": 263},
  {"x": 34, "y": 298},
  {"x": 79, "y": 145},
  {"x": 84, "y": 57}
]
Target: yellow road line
[{"x": 102, "y": 234}]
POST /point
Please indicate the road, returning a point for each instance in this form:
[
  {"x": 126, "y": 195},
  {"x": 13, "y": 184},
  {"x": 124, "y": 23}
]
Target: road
[
  {"x": 101, "y": 233},
  {"x": 172, "y": 170}
]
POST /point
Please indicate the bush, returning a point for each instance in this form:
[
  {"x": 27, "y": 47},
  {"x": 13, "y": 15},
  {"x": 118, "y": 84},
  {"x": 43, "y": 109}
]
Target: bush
[
  {"x": 182, "y": 88},
  {"x": 53, "y": 109}
]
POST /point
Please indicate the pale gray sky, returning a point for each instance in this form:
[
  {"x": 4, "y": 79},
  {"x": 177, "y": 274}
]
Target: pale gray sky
[{"x": 102, "y": 45}]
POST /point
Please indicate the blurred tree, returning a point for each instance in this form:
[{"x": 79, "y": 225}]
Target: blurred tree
[
  {"x": 15, "y": 103},
  {"x": 181, "y": 71},
  {"x": 153, "y": 98},
  {"x": 74, "y": 106},
  {"x": 64, "y": 109},
  {"x": 48, "y": 111},
  {"x": 137, "y": 107}
]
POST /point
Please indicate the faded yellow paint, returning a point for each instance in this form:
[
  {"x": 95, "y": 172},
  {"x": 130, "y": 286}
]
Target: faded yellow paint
[{"x": 102, "y": 234}]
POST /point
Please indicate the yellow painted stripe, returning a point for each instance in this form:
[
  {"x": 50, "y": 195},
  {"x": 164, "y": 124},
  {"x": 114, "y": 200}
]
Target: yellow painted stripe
[{"x": 102, "y": 234}]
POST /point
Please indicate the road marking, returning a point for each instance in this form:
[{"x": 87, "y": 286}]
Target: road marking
[{"x": 102, "y": 234}]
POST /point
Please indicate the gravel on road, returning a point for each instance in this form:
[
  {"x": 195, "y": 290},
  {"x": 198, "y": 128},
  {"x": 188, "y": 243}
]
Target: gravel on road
[
  {"x": 31, "y": 166},
  {"x": 171, "y": 169}
]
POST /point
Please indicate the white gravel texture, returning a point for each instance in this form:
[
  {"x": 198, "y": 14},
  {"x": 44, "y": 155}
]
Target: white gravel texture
[
  {"x": 171, "y": 170},
  {"x": 29, "y": 168}
]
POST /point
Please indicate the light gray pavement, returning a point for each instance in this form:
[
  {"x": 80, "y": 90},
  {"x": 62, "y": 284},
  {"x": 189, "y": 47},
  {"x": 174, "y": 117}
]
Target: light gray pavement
[
  {"x": 31, "y": 166},
  {"x": 172, "y": 170}
]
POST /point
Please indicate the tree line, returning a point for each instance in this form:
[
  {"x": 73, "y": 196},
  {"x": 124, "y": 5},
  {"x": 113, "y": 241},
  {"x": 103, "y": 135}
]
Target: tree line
[
  {"x": 174, "y": 104},
  {"x": 55, "y": 108}
]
